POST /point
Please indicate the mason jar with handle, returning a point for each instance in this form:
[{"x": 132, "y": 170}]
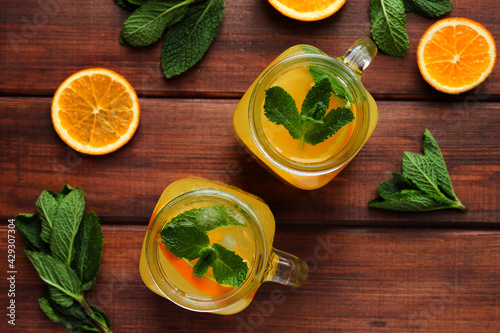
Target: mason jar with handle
[
  {"x": 302, "y": 165},
  {"x": 250, "y": 236}
]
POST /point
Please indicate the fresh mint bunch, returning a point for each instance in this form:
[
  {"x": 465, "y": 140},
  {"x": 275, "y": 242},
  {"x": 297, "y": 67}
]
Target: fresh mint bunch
[
  {"x": 64, "y": 244},
  {"x": 186, "y": 237},
  {"x": 190, "y": 27},
  {"x": 423, "y": 185},
  {"x": 313, "y": 125},
  {"x": 388, "y": 20}
]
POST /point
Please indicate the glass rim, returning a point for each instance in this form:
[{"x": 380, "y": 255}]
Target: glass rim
[
  {"x": 191, "y": 302},
  {"x": 353, "y": 86}
]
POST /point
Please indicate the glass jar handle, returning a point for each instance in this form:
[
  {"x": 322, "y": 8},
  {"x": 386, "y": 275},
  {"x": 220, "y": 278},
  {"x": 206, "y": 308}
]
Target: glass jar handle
[
  {"x": 286, "y": 269},
  {"x": 359, "y": 55}
]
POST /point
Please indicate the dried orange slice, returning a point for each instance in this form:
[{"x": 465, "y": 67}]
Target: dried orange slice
[
  {"x": 456, "y": 54},
  {"x": 95, "y": 111},
  {"x": 310, "y": 10}
]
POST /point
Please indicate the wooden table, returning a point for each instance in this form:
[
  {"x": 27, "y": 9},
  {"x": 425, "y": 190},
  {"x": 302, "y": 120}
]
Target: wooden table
[{"x": 371, "y": 270}]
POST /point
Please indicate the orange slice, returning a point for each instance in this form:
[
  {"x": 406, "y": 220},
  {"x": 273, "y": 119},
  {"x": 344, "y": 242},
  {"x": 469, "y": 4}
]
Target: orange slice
[
  {"x": 95, "y": 111},
  {"x": 456, "y": 54},
  {"x": 310, "y": 10},
  {"x": 209, "y": 287}
]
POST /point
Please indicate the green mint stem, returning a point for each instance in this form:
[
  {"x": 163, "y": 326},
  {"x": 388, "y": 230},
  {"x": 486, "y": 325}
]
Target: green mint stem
[
  {"x": 88, "y": 310},
  {"x": 303, "y": 135}
]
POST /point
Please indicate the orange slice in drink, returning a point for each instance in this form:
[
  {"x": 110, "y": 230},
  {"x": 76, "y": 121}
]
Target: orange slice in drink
[
  {"x": 95, "y": 111},
  {"x": 203, "y": 284},
  {"x": 456, "y": 54},
  {"x": 310, "y": 10}
]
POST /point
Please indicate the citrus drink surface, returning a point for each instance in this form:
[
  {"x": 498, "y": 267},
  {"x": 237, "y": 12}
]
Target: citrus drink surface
[{"x": 297, "y": 83}]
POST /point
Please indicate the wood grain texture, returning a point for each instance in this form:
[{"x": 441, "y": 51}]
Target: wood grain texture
[
  {"x": 43, "y": 42},
  {"x": 371, "y": 270},
  {"x": 180, "y": 138},
  {"x": 361, "y": 280}
]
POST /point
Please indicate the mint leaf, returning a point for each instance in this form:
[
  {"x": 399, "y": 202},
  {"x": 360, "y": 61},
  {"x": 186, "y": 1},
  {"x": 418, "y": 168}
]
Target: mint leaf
[
  {"x": 207, "y": 258},
  {"x": 428, "y": 8},
  {"x": 315, "y": 105},
  {"x": 332, "y": 123},
  {"x": 188, "y": 215},
  {"x": 88, "y": 248},
  {"x": 409, "y": 201},
  {"x": 127, "y": 4},
  {"x": 184, "y": 239},
  {"x": 66, "y": 224},
  {"x": 146, "y": 25},
  {"x": 396, "y": 184},
  {"x": 72, "y": 317},
  {"x": 60, "y": 297},
  {"x": 65, "y": 191},
  {"x": 317, "y": 99},
  {"x": 209, "y": 218},
  {"x": 338, "y": 89},
  {"x": 421, "y": 172},
  {"x": 46, "y": 206},
  {"x": 229, "y": 268},
  {"x": 435, "y": 157},
  {"x": 98, "y": 313},
  {"x": 55, "y": 273},
  {"x": 409, "y": 6},
  {"x": 29, "y": 227},
  {"x": 54, "y": 314},
  {"x": 281, "y": 109},
  {"x": 421, "y": 186},
  {"x": 389, "y": 26},
  {"x": 315, "y": 115},
  {"x": 187, "y": 41},
  {"x": 138, "y": 2}
]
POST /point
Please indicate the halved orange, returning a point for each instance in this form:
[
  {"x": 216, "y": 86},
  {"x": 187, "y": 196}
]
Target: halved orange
[
  {"x": 95, "y": 111},
  {"x": 310, "y": 10},
  {"x": 456, "y": 55}
]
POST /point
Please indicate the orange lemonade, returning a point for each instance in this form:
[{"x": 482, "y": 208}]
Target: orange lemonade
[
  {"x": 300, "y": 164},
  {"x": 297, "y": 83},
  {"x": 249, "y": 235}
]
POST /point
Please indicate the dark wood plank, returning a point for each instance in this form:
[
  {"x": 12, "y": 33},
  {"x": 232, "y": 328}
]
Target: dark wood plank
[
  {"x": 180, "y": 138},
  {"x": 361, "y": 280},
  {"x": 46, "y": 41}
]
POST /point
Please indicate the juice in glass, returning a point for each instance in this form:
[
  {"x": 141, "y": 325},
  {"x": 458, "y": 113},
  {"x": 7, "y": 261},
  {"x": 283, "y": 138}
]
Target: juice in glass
[
  {"x": 297, "y": 163},
  {"x": 250, "y": 236}
]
